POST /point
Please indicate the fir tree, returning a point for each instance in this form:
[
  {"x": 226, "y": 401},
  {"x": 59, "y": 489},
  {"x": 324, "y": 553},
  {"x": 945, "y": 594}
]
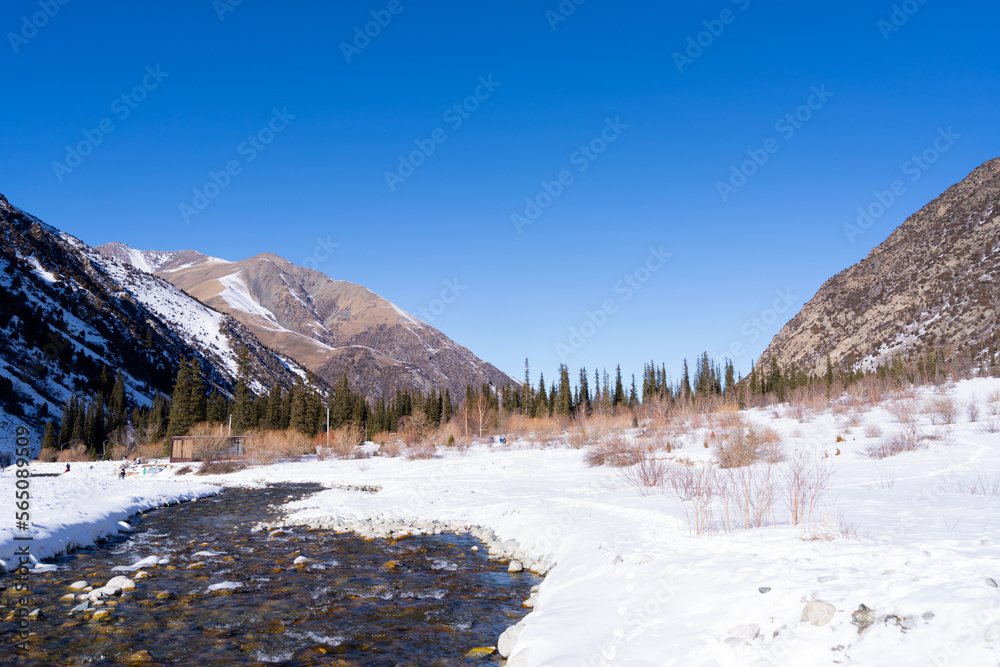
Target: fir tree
[
  {"x": 619, "y": 397},
  {"x": 49, "y": 439}
]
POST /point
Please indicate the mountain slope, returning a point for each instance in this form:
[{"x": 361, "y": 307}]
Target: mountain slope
[
  {"x": 67, "y": 312},
  {"x": 327, "y": 325},
  {"x": 934, "y": 283}
]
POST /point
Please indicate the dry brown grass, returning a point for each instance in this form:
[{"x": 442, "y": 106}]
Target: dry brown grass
[
  {"x": 616, "y": 451},
  {"x": 906, "y": 440},
  {"x": 739, "y": 447},
  {"x": 420, "y": 450},
  {"x": 47, "y": 455},
  {"x": 344, "y": 442},
  {"x": 152, "y": 450},
  {"x": 266, "y": 447},
  {"x": 74, "y": 454}
]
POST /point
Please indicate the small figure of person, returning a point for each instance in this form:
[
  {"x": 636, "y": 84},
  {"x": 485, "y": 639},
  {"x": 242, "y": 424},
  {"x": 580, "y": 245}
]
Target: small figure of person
[
  {"x": 122, "y": 473},
  {"x": 67, "y": 469}
]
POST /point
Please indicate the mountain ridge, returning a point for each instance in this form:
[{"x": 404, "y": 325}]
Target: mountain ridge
[
  {"x": 934, "y": 283},
  {"x": 330, "y": 326}
]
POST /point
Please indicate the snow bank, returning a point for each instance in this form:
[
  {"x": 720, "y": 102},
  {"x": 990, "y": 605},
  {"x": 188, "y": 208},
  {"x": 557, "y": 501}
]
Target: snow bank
[
  {"x": 632, "y": 586},
  {"x": 80, "y": 507}
]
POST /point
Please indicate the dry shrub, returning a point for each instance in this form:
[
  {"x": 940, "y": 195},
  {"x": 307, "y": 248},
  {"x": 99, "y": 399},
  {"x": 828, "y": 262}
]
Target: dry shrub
[
  {"x": 873, "y": 431},
  {"x": 517, "y": 425},
  {"x": 183, "y": 470},
  {"x": 649, "y": 475},
  {"x": 941, "y": 410},
  {"x": 984, "y": 484},
  {"x": 267, "y": 447},
  {"x": 449, "y": 431},
  {"x": 806, "y": 481},
  {"x": 578, "y": 439},
  {"x": 993, "y": 403},
  {"x": 76, "y": 454},
  {"x": 47, "y": 455},
  {"x": 221, "y": 467},
  {"x": 415, "y": 428},
  {"x": 152, "y": 450},
  {"x": 739, "y": 447},
  {"x": 906, "y": 440},
  {"x": 616, "y": 452},
  {"x": 421, "y": 450},
  {"x": 118, "y": 452},
  {"x": 855, "y": 418},
  {"x": 991, "y": 424},
  {"x": 343, "y": 442},
  {"x": 972, "y": 410},
  {"x": 751, "y": 491},
  {"x": 543, "y": 427},
  {"x": 904, "y": 410}
]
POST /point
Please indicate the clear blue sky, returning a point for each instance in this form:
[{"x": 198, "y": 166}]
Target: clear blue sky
[{"x": 554, "y": 85}]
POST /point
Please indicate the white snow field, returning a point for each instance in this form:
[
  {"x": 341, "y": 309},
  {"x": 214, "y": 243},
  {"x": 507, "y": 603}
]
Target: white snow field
[{"x": 915, "y": 538}]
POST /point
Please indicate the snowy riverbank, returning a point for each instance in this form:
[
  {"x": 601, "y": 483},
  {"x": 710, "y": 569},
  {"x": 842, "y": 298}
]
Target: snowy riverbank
[
  {"x": 904, "y": 536},
  {"x": 80, "y": 507},
  {"x": 632, "y": 586}
]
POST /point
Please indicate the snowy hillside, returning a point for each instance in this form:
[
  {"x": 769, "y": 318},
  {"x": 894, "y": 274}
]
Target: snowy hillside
[{"x": 71, "y": 318}]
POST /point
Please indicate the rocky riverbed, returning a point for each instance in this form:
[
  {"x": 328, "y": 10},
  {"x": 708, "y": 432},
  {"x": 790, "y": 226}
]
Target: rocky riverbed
[{"x": 224, "y": 581}]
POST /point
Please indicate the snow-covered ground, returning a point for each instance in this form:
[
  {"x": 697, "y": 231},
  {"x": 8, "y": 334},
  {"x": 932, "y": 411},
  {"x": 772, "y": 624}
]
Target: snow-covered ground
[
  {"x": 632, "y": 585},
  {"x": 79, "y": 507}
]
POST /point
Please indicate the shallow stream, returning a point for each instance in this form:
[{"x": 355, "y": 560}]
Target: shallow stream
[{"x": 423, "y": 601}]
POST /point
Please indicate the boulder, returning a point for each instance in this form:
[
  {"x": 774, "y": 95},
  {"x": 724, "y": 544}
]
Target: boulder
[
  {"x": 818, "y": 612},
  {"x": 121, "y": 582},
  {"x": 863, "y": 618},
  {"x": 747, "y": 632}
]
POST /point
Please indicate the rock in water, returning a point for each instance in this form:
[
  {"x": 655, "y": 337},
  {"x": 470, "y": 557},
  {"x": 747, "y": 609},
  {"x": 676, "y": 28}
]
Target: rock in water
[
  {"x": 818, "y": 612},
  {"x": 515, "y": 566},
  {"x": 507, "y": 640},
  {"x": 121, "y": 582}
]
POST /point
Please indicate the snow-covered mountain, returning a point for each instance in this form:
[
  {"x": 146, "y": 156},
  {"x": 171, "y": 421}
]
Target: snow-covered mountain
[
  {"x": 934, "y": 284},
  {"x": 69, "y": 314},
  {"x": 327, "y": 325}
]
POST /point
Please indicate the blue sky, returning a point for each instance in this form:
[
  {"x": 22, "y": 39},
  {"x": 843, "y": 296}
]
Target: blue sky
[{"x": 618, "y": 121}]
